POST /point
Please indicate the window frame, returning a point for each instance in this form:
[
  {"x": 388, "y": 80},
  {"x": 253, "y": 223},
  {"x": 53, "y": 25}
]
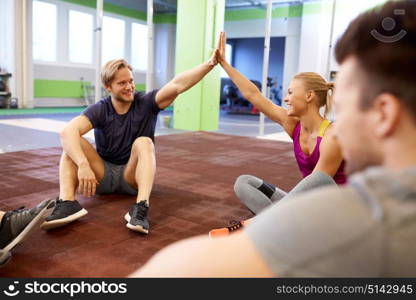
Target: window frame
[{"x": 62, "y": 39}]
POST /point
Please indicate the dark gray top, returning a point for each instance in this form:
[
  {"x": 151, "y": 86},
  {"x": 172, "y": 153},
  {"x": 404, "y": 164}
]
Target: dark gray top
[{"x": 114, "y": 133}]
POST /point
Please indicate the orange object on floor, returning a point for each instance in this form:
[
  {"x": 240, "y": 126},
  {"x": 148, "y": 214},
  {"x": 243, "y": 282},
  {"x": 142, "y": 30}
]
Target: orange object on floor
[{"x": 234, "y": 226}]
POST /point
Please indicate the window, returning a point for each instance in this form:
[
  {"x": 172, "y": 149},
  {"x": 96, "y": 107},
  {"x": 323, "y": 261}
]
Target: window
[
  {"x": 228, "y": 58},
  {"x": 80, "y": 37},
  {"x": 113, "y": 38},
  {"x": 139, "y": 46},
  {"x": 44, "y": 31}
]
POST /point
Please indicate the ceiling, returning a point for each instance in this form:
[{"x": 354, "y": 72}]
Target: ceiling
[{"x": 169, "y": 6}]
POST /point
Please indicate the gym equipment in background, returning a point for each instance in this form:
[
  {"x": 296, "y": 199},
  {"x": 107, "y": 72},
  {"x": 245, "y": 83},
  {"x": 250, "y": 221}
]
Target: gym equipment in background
[
  {"x": 232, "y": 101},
  {"x": 4, "y": 89}
]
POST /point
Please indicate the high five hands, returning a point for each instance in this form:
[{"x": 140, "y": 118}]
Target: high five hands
[{"x": 218, "y": 56}]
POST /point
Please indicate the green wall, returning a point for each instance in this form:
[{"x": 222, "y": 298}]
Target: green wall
[
  {"x": 199, "y": 23},
  {"x": 41, "y": 110},
  {"x": 141, "y": 87},
  {"x": 45, "y": 88},
  {"x": 164, "y": 19},
  {"x": 258, "y": 13}
]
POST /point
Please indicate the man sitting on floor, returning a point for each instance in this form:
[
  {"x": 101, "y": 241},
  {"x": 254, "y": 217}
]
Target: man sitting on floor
[
  {"x": 368, "y": 227},
  {"x": 124, "y": 161}
]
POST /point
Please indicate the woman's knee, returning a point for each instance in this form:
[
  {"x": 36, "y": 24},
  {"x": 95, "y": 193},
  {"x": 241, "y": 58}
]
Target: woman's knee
[
  {"x": 246, "y": 180},
  {"x": 322, "y": 178},
  {"x": 314, "y": 180}
]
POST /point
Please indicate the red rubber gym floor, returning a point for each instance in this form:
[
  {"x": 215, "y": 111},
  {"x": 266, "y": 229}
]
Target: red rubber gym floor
[{"x": 193, "y": 193}]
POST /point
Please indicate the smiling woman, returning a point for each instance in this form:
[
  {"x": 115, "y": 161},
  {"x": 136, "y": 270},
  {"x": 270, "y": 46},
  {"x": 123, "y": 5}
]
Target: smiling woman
[{"x": 316, "y": 151}]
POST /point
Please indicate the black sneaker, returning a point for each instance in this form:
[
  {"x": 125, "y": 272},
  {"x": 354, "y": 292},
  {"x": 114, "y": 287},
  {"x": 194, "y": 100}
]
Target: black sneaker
[
  {"x": 16, "y": 225},
  {"x": 64, "y": 212},
  {"x": 137, "y": 217}
]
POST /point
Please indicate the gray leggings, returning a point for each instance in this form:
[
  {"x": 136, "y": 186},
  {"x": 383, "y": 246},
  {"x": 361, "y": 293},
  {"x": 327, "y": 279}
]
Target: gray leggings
[{"x": 257, "y": 194}]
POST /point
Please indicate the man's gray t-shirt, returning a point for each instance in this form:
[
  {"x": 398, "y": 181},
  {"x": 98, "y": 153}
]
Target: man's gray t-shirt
[
  {"x": 114, "y": 133},
  {"x": 364, "y": 229}
]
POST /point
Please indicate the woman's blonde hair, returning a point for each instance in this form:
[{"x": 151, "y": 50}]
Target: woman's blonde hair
[
  {"x": 110, "y": 69},
  {"x": 322, "y": 89}
]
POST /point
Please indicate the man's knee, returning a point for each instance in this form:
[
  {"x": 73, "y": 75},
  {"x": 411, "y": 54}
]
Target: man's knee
[
  {"x": 66, "y": 161},
  {"x": 143, "y": 143},
  {"x": 65, "y": 157}
]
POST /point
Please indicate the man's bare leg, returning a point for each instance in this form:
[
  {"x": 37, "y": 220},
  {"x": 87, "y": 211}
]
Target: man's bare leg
[
  {"x": 140, "y": 173},
  {"x": 67, "y": 208},
  {"x": 141, "y": 168},
  {"x": 68, "y": 178}
]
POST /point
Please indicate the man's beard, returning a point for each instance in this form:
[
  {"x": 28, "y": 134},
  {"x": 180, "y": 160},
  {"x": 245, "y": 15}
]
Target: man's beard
[{"x": 123, "y": 100}]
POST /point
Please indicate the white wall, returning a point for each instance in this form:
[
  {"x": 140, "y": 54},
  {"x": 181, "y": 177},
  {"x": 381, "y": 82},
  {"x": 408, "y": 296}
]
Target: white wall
[
  {"x": 317, "y": 42},
  {"x": 292, "y": 47},
  {"x": 255, "y": 28},
  {"x": 345, "y": 12},
  {"x": 315, "y": 37},
  {"x": 316, "y": 53}
]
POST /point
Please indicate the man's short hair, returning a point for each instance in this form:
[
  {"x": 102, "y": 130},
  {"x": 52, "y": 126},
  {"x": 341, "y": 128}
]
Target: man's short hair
[
  {"x": 110, "y": 69},
  {"x": 383, "y": 40}
]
